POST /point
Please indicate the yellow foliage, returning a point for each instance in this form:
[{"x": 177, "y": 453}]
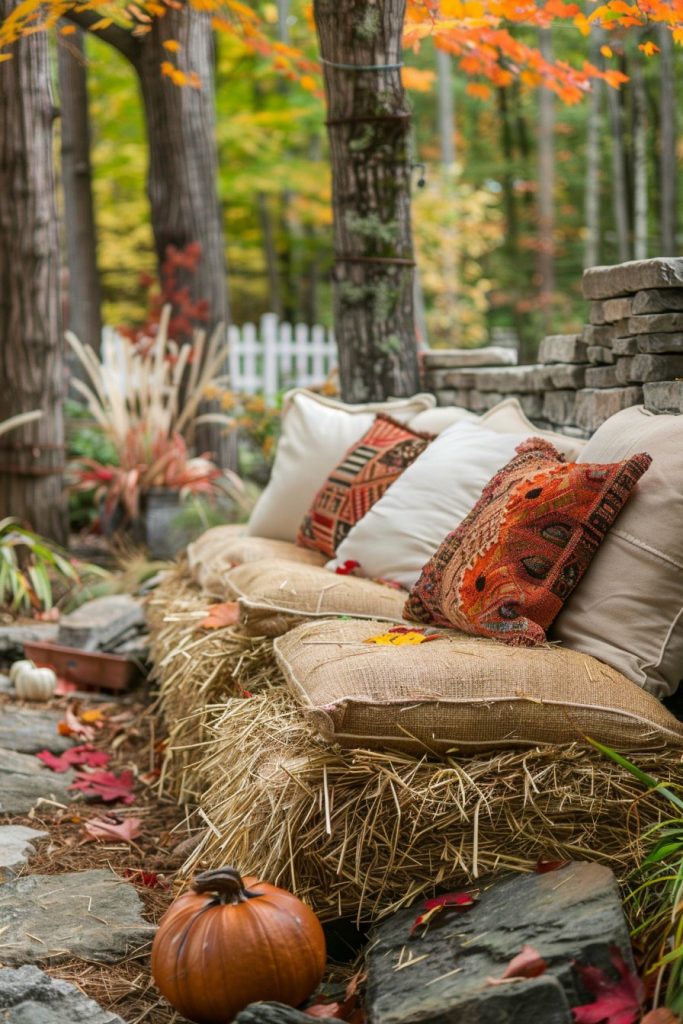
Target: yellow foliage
[{"x": 419, "y": 81}]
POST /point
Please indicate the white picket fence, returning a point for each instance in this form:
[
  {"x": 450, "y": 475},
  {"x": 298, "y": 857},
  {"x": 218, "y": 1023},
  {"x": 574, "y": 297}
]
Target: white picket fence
[{"x": 274, "y": 355}]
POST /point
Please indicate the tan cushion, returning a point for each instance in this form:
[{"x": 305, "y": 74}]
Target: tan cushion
[
  {"x": 220, "y": 549},
  {"x": 274, "y": 596},
  {"x": 463, "y": 693},
  {"x": 508, "y": 417},
  {"x": 628, "y": 611},
  {"x": 316, "y": 433}
]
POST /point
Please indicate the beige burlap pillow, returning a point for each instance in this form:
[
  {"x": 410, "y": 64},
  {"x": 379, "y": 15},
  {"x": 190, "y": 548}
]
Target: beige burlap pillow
[
  {"x": 274, "y": 596},
  {"x": 222, "y": 548},
  {"x": 462, "y": 693}
]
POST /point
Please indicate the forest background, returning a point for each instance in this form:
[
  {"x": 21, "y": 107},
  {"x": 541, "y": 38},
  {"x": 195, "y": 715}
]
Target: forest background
[{"x": 489, "y": 155}]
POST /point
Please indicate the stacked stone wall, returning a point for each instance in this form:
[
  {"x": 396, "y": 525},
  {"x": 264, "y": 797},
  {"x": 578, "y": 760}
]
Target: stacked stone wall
[{"x": 629, "y": 353}]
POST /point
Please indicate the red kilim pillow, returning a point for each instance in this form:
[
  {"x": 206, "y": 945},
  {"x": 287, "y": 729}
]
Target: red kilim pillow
[
  {"x": 369, "y": 467},
  {"x": 506, "y": 571}
]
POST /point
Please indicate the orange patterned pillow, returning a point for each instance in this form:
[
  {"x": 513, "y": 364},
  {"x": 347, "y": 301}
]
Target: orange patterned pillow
[
  {"x": 369, "y": 467},
  {"x": 506, "y": 571}
]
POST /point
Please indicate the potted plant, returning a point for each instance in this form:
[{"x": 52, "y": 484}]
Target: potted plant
[{"x": 147, "y": 400}]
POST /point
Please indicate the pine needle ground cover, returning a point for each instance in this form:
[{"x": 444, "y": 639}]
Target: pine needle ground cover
[{"x": 359, "y": 832}]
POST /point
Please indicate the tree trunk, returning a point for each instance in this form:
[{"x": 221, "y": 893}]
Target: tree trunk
[
  {"x": 619, "y": 189},
  {"x": 640, "y": 232},
  {"x": 269, "y": 254},
  {"x": 446, "y": 107},
  {"x": 591, "y": 254},
  {"x": 84, "y": 313},
  {"x": 369, "y": 131},
  {"x": 183, "y": 161},
  {"x": 31, "y": 371},
  {"x": 546, "y": 190},
  {"x": 449, "y": 263},
  {"x": 668, "y": 138}
]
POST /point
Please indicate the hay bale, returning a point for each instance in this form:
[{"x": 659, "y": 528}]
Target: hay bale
[{"x": 361, "y": 833}]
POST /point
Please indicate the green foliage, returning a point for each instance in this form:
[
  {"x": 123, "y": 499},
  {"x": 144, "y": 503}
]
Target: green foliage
[{"x": 28, "y": 565}]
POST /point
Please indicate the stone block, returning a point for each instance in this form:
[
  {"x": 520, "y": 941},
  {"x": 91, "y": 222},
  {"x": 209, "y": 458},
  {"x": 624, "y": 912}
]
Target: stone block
[
  {"x": 658, "y": 300},
  {"x": 453, "y": 358},
  {"x": 90, "y": 914},
  {"x": 16, "y": 846},
  {"x": 601, "y": 377},
  {"x": 624, "y": 370},
  {"x": 559, "y": 407},
  {"x": 97, "y": 623},
  {"x": 598, "y": 335},
  {"x": 656, "y": 323},
  {"x": 512, "y": 379},
  {"x": 664, "y": 396},
  {"x": 599, "y": 355},
  {"x": 13, "y": 638},
  {"x": 24, "y": 782},
  {"x": 609, "y": 311},
  {"x": 29, "y": 731},
  {"x": 438, "y": 380},
  {"x": 481, "y": 401},
  {"x": 570, "y": 915},
  {"x": 532, "y": 405},
  {"x": 648, "y": 367},
  {"x": 635, "y": 276},
  {"x": 567, "y": 375},
  {"x": 660, "y": 343},
  {"x": 626, "y": 346},
  {"x": 593, "y": 407},
  {"x": 562, "y": 348},
  {"x": 29, "y": 996}
]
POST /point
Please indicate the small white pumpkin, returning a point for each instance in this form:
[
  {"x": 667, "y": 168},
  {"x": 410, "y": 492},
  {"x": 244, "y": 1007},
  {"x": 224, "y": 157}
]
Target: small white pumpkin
[
  {"x": 33, "y": 683},
  {"x": 17, "y": 666}
]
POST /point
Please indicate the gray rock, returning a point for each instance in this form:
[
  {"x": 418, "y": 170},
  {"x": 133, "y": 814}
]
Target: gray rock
[
  {"x": 650, "y": 368},
  {"x": 450, "y": 358},
  {"x": 559, "y": 407},
  {"x": 601, "y": 377},
  {"x": 89, "y": 914},
  {"x": 562, "y": 348},
  {"x": 600, "y": 355},
  {"x": 439, "y": 379},
  {"x": 29, "y": 730},
  {"x": 29, "y": 996},
  {"x": 635, "y": 276},
  {"x": 625, "y": 370},
  {"x": 96, "y": 624},
  {"x": 16, "y": 846},
  {"x": 567, "y": 915},
  {"x": 628, "y": 346},
  {"x": 567, "y": 375},
  {"x": 593, "y": 407},
  {"x": 616, "y": 309},
  {"x": 532, "y": 406},
  {"x": 599, "y": 335},
  {"x": 656, "y": 323},
  {"x": 658, "y": 301},
  {"x": 513, "y": 379},
  {"x": 274, "y": 1013},
  {"x": 660, "y": 343},
  {"x": 13, "y": 638},
  {"x": 6, "y": 684},
  {"x": 24, "y": 781},
  {"x": 664, "y": 396}
]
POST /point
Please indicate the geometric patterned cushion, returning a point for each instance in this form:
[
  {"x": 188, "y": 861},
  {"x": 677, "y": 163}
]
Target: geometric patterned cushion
[
  {"x": 367, "y": 469},
  {"x": 508, "y": 568}
]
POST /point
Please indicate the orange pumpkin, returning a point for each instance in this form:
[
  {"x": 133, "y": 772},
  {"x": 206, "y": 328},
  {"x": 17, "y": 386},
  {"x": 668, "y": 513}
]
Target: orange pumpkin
[{"x": 229, "y": 942}]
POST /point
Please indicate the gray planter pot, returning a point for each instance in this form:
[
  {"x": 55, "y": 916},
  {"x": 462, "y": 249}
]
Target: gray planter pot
[{"x": 158, "y": 527}]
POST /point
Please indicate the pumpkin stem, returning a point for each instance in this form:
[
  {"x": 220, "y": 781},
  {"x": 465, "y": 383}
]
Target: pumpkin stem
[{"x": 225, "y": 883}]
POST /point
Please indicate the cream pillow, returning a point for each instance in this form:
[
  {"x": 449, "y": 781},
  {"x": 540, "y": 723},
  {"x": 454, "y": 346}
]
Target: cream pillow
[
  {"x": 508, "y": 418},
  {"x": 434, "y": 421},
  {"x": 316, "y": 433},
  {"x": 628, "y": 610},
  {"x": 404, "y": 528}
]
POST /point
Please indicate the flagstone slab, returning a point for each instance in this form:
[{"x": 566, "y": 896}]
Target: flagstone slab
[
  {"x": 28, "y": 730},
  {"x": 24, "y": 781},
  {"x": 16, "y": 847},
  {"x": 29, "y": 996},
  {"x": 90, "y": 914}
]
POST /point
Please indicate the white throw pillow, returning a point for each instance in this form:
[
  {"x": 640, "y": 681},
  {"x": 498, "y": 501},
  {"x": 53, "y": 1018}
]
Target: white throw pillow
[
  {"x": 316, "y": 433},
  {"x": 434, "y": 421},
  {"x": 404, "y": 528},
  {"x": 508, "y": 418},
  {"x": 628, "y": 610}
]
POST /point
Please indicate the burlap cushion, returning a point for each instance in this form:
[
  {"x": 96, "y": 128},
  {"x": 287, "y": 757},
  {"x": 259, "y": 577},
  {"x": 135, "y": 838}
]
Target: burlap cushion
[
  {"x": 222, "y": 548},
  {"x": 274, "y": 596},
  {"x": 463, "y": 693}
]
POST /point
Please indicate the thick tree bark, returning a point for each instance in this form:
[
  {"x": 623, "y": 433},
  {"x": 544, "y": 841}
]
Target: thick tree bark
[
  {"x": 668, "y": 168},
  {"x": 369, "y": 131},
  {"x": 31, "y": 372},
  {"x": 591, "y": 253},
  {"x": 84, "y": 298},
  {"x": 546, "y": 190}
]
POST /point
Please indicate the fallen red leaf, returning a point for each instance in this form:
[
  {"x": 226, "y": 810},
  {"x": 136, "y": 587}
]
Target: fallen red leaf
[
  {"x": 85, "y": 753},
  {"x": 110, "y": 826},
  {"x": 527, "y": 964},
  {"x": 545, "y": 864},
  {"x": 324, "y": 1010},
  {"x": 106, "y": 786},
  {"x": 459, "y": 901},
  {"x": 347, "y": 568},
  {"x": 617, "y": 1001},
  {"x": 221, "y": 615},
  {"x": 148, "y": 879}
]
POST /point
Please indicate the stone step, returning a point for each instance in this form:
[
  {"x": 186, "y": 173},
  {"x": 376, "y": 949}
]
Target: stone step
[
  {"x": 29, "y": 996},
  {"x": 25, "y": 782},
  {"x": 28, "y": 730},
  {"x": 635, "y": 276},
  {"x": 16, "y": 847}
]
